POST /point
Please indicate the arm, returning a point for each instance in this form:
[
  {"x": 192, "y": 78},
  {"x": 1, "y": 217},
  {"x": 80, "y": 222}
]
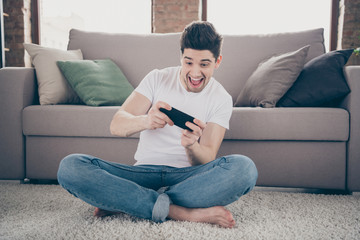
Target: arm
[
  {"x": 137, "y": 114},
  {"x": 17, "y": 91},
  {"x": 205, "y": 150},
  {"x": 351, "y": 103}
]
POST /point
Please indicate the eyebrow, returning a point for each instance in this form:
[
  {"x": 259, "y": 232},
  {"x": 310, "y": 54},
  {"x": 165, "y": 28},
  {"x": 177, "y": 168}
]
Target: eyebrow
[{"x": 202, "y": 60}]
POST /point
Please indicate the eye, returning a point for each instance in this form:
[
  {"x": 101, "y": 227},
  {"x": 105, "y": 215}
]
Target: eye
[
  {"x": 188, "y": 63},
  {"x": 204, "y": 64}
]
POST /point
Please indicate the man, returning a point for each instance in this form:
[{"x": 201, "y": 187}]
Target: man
[{"x": 176, "y": 175}]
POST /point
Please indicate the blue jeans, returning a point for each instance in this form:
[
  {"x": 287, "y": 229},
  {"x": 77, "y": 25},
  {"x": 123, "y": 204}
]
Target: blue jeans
[{"x": 146, "y": 191}]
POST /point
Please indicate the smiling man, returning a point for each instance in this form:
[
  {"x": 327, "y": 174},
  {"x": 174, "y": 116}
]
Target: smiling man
[{"x": 176, "y": 175}]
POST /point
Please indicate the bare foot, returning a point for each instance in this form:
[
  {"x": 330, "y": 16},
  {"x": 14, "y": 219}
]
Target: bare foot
[
  {"x": 217, "y": 215},
  {"x": 103, "y": 213}
]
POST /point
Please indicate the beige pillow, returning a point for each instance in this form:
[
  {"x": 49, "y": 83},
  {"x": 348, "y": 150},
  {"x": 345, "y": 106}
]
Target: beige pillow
[
  {"x": 272, "y": 79},
  {"x": 53, "y": 87}
]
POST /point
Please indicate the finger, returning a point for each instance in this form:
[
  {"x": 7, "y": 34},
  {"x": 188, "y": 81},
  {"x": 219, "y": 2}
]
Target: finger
[
  {"x": 161, "y": 104},
  {"x": 156, "y": 118},
  {"x": 166, "y": 119},
  {"x": 200, "y": 123},
  {"x": 162, "y": 115},
  {"x": 159, "y": 121},
  {"x": 187, "y": 134},
  {"x": 195, "y": 128},
  {"x": 188, "y": 138}
]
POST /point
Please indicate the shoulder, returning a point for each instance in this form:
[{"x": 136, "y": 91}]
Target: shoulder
[
  {"x": 165, "y": 71},
  {"x": 162, "y": 74},
  {"x": 219, "y": 91}
]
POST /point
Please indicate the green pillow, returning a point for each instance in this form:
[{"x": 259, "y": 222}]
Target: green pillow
[{"x": 97, "y": 82}]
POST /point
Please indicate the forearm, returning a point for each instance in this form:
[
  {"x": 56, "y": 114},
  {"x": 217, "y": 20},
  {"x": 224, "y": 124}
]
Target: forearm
[
  {"x": 125, "y": 124},
  {"x": 198, "y": 154}
]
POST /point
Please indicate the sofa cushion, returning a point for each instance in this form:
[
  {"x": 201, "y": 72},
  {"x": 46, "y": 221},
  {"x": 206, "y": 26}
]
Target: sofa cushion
[
  {"x": 97, "y": 82},
  {"x": 241, "y": 53},
  {"x": 330, "y": 124},
  {"x": 53, "y": 87},
  {"x": 314, "y": 124},
  {"x": 68, "y": 120},
  {"x": 272, "y": 79},
  {"x": 322, "y": 80}
]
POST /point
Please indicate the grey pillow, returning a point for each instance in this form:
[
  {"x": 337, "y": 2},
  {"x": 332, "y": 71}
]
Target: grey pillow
[
  {"x": 53, "y": 87},
  {"x": 272, "y": 79}
]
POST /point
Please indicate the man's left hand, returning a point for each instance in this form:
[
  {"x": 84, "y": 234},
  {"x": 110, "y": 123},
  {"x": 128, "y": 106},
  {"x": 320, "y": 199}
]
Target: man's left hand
[{"x": 188, "y": 138}]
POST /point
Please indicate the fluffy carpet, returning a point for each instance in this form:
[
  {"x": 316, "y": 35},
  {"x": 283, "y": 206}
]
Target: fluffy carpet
[{"x": 30, "y": 211}]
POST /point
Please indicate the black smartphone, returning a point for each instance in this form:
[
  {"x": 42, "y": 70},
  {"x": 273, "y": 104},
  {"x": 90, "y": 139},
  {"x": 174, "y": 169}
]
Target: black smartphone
[{"x": 178, "y": 117}]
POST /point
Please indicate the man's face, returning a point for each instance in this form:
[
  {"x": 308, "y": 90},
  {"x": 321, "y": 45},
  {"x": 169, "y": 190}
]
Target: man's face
[{"x": 197, "y": 68}]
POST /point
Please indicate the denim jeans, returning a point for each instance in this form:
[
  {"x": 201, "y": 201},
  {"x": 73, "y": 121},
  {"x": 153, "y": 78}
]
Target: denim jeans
[{"x": 146, "y": 191}]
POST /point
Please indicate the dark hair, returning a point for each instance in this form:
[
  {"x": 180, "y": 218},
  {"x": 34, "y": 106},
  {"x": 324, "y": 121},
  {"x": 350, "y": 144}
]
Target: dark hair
[{"x": 201, "y": 35}]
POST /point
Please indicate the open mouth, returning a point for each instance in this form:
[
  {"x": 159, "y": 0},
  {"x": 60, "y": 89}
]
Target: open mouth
[{"x": 195, "y": 82}]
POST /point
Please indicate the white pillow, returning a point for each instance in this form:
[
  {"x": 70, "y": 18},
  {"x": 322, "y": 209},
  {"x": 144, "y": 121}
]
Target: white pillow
[{"x": 53, "y": 87}]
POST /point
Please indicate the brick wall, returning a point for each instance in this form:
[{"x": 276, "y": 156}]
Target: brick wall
[
  {"x": 17, "y": 31},
  {"x": 27, "y": 30},
  {"x": 174, "y": 15},
  {"x": 349, "y": 28}
]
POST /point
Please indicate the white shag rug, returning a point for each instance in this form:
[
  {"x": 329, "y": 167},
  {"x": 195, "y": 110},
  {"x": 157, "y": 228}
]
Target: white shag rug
[{"x": 39, "y": 212}]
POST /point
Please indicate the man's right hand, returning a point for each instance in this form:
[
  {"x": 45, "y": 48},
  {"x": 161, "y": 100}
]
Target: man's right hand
[{"x": 156, "y": 118}]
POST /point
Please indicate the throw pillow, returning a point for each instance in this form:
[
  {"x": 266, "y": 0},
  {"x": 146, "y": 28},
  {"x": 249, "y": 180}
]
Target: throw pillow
[
  {"x": 97, "y": 82},
  {"x": 322, "y": 80},
  {"x": 53, "y": 87},
  {"x": 271, "y": 80}
]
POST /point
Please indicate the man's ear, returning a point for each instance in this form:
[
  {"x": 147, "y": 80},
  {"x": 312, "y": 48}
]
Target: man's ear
[{"x": 218, "y": 61}]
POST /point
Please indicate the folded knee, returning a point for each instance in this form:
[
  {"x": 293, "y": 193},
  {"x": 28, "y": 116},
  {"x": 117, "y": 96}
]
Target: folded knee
[
  {"x": 243, "y": 169},
  {"x": 70, "y": 160},
  {"x": 70, "y": 164}
]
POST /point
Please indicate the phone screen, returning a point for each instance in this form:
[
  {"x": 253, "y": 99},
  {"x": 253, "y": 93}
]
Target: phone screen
[{"x": 178, "y": 117}]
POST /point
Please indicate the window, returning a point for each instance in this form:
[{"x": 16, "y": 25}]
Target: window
[
  {"x": 270, "y": 16},
  {"x": 57, "y": 17}
]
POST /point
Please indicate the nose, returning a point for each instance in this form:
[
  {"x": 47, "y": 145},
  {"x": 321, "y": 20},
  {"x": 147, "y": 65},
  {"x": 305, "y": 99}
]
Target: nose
[{"x": 195, "y": 72}]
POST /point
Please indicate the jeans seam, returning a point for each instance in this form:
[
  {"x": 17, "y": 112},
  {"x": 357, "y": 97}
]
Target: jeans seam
[
  {"x": 103, "y": 206},
  {"x": 126, "y": 168},
  {"x": 82, "y": 197},
  {"x": 193, "y": 176}
]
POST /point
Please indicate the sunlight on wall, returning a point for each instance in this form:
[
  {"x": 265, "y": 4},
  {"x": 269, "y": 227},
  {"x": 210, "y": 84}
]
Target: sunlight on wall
[
  {"x": 57, "y": 17},
  {"x": 269, "y": 16}
]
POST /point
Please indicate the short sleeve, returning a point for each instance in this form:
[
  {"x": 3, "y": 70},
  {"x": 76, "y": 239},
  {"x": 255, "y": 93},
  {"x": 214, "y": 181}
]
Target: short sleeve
[
  {"x": 222, "y": 112},
  {"x": 148, "y": 84}
]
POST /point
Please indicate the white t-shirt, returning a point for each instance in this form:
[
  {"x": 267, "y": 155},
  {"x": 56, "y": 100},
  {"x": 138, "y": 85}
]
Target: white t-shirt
[{"x": 162, "y": 146}]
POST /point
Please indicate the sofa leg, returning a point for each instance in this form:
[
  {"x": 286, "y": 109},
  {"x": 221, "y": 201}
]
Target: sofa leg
[{"x": 25, "y": 181}]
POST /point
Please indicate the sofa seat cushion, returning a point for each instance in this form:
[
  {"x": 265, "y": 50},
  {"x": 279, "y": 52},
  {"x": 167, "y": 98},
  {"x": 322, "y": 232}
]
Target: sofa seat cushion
[
  {"x": 298, "y": 124},
  {"x": 308, "y": 124},
  {"x": 68, "y": 120}
]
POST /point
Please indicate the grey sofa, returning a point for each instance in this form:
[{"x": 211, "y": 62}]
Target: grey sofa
[{"x": 292, "y": 147}]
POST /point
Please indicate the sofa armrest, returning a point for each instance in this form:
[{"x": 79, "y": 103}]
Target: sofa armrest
[
  {"x": 18, "y": 90},
  {"x": 352, "y": 104}
]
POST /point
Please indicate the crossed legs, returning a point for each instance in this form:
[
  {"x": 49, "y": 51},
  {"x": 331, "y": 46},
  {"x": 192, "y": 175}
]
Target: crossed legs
[{"x": 195, "y": 194}]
